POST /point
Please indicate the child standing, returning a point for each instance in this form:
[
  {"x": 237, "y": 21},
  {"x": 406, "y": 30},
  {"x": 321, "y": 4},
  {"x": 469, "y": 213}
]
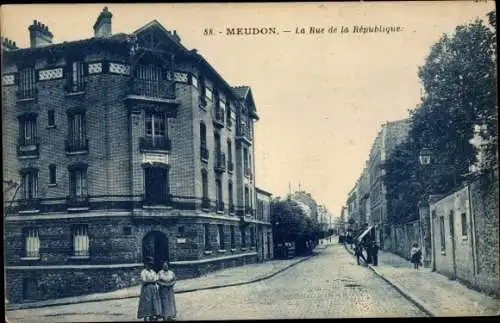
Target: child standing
[{"x": 415, "y": 255}]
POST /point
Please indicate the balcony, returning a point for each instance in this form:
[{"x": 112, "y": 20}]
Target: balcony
[
  {"x": 205, "y": 203},
  {"x": 28, "y": 148},
  {"x": 220, "y": 162},
  {"x": 230, "y": 166},
  {"x": 218, "y": 118},
  {"x": 155, "y": 90},
  {"x": 220, "y": 206},
  {"x": 29, "y": 205},
  {"x": 25, "y": 94},
  {"x": 204, "y": 153},
  {"x": 77, "y": 146},
  {"x": 156, "y": 143},
  {"x": 243, "y": 133},
  {"x": 248, "y": 211},
  {"x": 77, "y": 202}
]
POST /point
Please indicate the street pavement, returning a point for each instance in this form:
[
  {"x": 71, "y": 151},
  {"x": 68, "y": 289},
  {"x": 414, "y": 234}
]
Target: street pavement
[
  {"x": 434, "y": 292},
  {"x": 328, "y": 285}
]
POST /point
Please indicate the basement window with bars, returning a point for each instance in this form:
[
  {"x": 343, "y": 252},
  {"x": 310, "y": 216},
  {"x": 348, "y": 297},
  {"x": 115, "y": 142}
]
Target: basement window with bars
[
  {"x": 207, "y": 236},
  {"x": 31, "y": 244},
  {"x": 80, "y": 241}
]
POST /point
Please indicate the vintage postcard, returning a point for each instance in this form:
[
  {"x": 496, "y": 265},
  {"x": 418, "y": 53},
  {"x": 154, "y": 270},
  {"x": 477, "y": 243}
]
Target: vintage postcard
[{"x": 233, "y": 161}]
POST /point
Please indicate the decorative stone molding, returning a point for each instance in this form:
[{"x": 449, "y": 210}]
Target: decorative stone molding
[
  {"x": 51, "y": 74},
  {"x": 8, "y": 79},
  {"x": 118, "y": 68},
  {"x": 95, "y": 68},
  {"x": 181, "y": 77}
]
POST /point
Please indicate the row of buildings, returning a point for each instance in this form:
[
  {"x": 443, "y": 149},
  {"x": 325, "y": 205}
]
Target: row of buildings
[
  {"x": 458, "y": 231},
  {"x": 120, "y": 147},
  {"x": 366, "y": 202}
]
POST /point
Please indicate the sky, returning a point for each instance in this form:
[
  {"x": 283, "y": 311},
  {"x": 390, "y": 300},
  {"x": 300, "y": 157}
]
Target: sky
[{"x": 321, "y": 98}]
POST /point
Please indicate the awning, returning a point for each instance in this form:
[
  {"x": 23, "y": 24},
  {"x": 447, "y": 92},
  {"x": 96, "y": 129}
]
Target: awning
[{"x": 365, "y": 233}]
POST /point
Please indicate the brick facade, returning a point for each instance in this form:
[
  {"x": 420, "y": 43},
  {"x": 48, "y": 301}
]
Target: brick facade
[{"x": 115, "y": 211}]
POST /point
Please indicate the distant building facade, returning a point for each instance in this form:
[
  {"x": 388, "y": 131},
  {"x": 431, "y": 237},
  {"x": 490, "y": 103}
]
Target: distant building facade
[
  {"x": 124, "y": 146},
  {"x": 264, "y": 226},
  {"x": 306, "y": 201}
]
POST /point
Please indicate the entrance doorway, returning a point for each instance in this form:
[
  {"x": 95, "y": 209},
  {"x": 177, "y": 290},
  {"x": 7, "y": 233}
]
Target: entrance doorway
[{"x": 155, "y": 246}]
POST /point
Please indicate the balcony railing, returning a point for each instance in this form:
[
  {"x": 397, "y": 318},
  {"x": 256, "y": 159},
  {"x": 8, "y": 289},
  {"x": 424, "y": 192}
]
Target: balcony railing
[
  {"x": 205, "y": 203},
  {"x": 220, "y": 206},
  {"x": 220, "y": 162},
  {"x": 77, "y": 145},
  {"x": 77, "y": 201},
  {"x": 204, "y": 153},
  {"x": 27, "y": 147},
  {"x": 26, "y": 93},
  {"x": 218, "y": 118},
  {"x": 32, "y": 204},
  {"x": 230, "y": 166},
  {"x": 155, "y": 143},
  {"x": 244, "y": 132},
  {"x": 153, "y": 89}
]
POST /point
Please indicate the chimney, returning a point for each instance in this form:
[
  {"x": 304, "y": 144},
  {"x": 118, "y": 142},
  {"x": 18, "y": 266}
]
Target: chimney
[
  {"x": 102, "y": 27},
  {"x": 8, "y": 44},
  {"x": 39, "y": 34},
  {"x": 176, "y": 37}
]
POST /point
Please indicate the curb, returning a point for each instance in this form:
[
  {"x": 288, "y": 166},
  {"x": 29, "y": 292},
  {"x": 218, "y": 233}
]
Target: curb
[
  {"x": 13, "y": 307},
  {"x": 414, "y": 300}
]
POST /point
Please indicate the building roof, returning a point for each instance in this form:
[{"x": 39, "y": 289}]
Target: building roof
[{"x": 259, "y": 190}]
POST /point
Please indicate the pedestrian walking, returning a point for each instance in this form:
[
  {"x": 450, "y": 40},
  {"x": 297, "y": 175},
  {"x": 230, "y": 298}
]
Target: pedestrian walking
[
  {"x": 416, "y": 254},
  {"x": 166, "y": 281},
  {"x": 374, "y": 247},
  {"x": 149, "y": 302},
  {"x": 358, "y": 252}
]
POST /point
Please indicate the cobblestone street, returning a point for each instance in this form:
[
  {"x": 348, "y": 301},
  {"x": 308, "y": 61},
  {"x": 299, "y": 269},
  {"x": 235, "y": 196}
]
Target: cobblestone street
[{"x": 329, "y": 285}]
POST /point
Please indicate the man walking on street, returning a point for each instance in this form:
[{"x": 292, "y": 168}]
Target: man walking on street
[
  {"x": 374, "y": 252},
  {"x": 358, "y": 252}
]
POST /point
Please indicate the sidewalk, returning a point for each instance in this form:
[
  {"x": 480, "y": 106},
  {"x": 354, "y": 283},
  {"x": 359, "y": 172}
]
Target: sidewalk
[
  {"x": 223, "y": 278},
  {"x": 434, "y": 293}
]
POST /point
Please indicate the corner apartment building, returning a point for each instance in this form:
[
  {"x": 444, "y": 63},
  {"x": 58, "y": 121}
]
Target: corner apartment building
[
  {"x": 123, "y": 146},
  {"x": 391, "y": 135}
]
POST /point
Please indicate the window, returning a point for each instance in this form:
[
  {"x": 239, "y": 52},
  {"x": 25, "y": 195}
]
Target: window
[
  {"x": 31, "y": 243},
  {"x": 30, "y": 184},
  {"x": 155, "y": 124},
  {"x": 229, "y": 151},
  {"x": 464, "y": 224},
  {"x": 252, "y": 237},
  {"x": 228, "y": 116},
  {"x": 77, "y": 138},
  {"x": 76, "y": 82},
  {"x": 52, "y": 174},
  {"x": 451, "y": 223},
  {"x": 245, "y": 159},
  {"x": 204, "y": 184},
  {"x": 218, "y": 189},
  {"x": 194, "y": 81},
  {"x": 27, "y": 85},
  {"x": 203, "y": 89},
  {"x": 149, "y": 72},
  {"x": 442, "y": 233},
  {"x": 220, "y": 229},
  {"x": 207, "y": 236},
  {"x": 233, "y": 240},
  {"x": 51, "y": 118},
  {"x": 208, "y": 93},
  {"x": 230, "y": 192},
  {"x": 80, "y": 241},
  {"x": 156, "y": 185},
  {"x": 203, "y": 135},
  {"x": 27, "y": 130},
  {"x": 247, "y": 198},
  {"x": 180, "y": 230},
  {"x": 78, "y": 182},
  {"x": 243, "y": 238}
]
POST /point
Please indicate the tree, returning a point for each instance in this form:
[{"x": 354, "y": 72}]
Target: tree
[{"x": 459, "y": 78}]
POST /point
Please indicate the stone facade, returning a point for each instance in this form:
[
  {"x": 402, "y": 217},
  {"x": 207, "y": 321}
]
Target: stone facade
[
  {"x": 104, "y": 139},
  {"x": 465, "y": 243}
]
